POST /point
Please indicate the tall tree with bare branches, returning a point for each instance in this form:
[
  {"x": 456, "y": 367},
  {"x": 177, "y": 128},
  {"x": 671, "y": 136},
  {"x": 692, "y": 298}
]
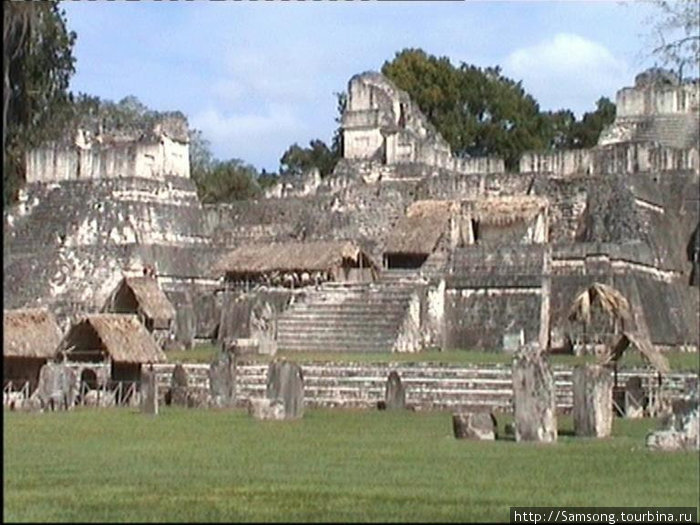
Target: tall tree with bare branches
[{"x": 675, "y": 34}]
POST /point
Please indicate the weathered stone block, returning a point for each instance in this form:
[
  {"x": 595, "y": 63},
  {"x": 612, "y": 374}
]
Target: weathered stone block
[
  {"x": 682, "y": 430},
  {"x": 149, "y": 392},
  {"x": 178, "y": 386},
  {"x": 395, "y": 393},
  {"x": 592, "y": 412},
  {"x": 58, "y": 387},
  {"x": 480, "y": 426},
  {"x": 534, "y": 399},
  {"x": 285, "y": 382},
  {"x": 222, "y": 376},
  {"x": 266, "y": 409}
]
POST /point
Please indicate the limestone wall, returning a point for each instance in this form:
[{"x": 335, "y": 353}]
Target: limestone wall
[
  {"x": 153, "y": 160},
  {"x": 614, "y": 158},
  {"x": 657, "y": 99}
]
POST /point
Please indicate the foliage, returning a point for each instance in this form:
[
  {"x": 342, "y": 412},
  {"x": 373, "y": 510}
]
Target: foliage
[
  {"x": 188, "y": 465},
  {"x": 565, "y": 132},
  {"x": 478, "y": 111},
  {"x": 481, "y": 112},
  {"x": 37, "y": 65},
  {"x": 297, "y": 160},
  {"x": 228, "y": 181},
  {"x": 586, "y": 132},
  {"x": 675, "y": 34}
]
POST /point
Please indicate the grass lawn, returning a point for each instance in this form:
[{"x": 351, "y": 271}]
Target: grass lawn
[
  {"x": 209, "y": 465},
  {"x": 679, "y": 361}
]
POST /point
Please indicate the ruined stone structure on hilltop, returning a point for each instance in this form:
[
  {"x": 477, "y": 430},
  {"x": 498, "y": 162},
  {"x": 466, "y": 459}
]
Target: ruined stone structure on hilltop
[
  {"x": 471, "y": 256},
  {"x": 100, "y": 208}
]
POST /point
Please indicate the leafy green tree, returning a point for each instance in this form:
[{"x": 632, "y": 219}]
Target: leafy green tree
[
  {"x": 297, "y": 160},
  {"x": 478, "y": 111},
  {"x": 561, "y": 124},
  {"x": 586, "y": 132},
  {"x": 228, "y": 181},
  {"x": 37, "y": 65}
]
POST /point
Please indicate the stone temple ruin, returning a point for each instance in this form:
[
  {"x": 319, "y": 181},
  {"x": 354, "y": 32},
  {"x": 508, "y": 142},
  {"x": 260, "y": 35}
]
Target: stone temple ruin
[{"x": 403, "y": 247}]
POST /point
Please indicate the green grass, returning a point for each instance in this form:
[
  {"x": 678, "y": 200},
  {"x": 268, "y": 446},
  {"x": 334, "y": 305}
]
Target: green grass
[
  {"x": 679, "y": 361},
  {"x": 209, "y": 465}
]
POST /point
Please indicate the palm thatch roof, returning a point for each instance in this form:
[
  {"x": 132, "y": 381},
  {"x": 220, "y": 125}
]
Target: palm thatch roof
[
  {"x": 150, "y": 297},
  {"x": 419, "y": 231},
  {"x": 30, "y": 332},
  {"x": 613, "y": 303},
  {"x": 293, "y": 256},
  {"x": 122, "y": 336},
  {"x": 649, "y": 353},
  {"x": 508, "y": 209}
]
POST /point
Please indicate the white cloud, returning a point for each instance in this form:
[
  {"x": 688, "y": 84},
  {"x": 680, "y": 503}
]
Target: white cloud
[
  {"x": 567, "y": 71},
  {"x": 253, "y": 137}
]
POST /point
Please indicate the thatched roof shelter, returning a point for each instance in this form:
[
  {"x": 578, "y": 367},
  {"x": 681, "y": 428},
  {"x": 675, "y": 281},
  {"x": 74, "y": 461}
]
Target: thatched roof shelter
[
  {"x": 612, "y": 302},
  {"x": 293, "y": 257},
  {"x": 419, "y": 231},
  {"x": 507, "y": 209},
  {"x": 30, "y": 333},
  {"x": 655, "y": 358},
  {"x": 146, "y": 297},
  {"x": 121, "y": 336}
]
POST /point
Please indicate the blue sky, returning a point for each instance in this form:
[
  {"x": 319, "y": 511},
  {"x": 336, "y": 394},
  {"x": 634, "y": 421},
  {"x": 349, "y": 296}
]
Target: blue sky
[{"x": 256, "y": 77}]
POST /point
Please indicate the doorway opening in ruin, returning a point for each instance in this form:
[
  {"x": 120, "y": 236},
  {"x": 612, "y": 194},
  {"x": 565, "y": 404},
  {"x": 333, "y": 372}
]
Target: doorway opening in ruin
[
  {"x": 405, "y": 260},
  {"x": 475, "y": 231},
  {"x": 88, "y": 378}
]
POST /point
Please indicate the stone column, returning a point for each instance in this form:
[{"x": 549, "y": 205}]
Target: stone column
[
  {"x": 593, "y": 413},
  {"x": 285, "y": 382},
  {"x": 395, "y": 393},
  {"x": 149, "y": 392},
  {"x": 534, "y": 399}
]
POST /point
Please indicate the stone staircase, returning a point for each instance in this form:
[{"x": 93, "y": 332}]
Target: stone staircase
[
  {"x": 429, "y": 386},
  {"x": 348, "y": 317}
]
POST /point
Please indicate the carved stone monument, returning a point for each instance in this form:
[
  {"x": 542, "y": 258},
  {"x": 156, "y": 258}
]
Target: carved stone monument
[
  {"x": 57, "y": 388},
  {"x": 149, "y": 392},
  {"x": 593, "y": 413},
  {"x": 178, "y": 386},
  {"x": 395, "y": 393},
  {"x": 222, "y": 376},
  {"x": 534, "y": 398},
  {"x": 285, "y": 382}
]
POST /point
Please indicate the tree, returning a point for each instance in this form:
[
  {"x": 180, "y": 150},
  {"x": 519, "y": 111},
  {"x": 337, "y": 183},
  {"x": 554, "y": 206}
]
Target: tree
[
  {"x": 37, "y": 66},
  {"x": 586, "y": 132},
  {"x": 675, "y": 34},
  {"x": 201, "y": 158},
  {"x": 227, "y": 181},
  {"x": 478, "y": 111},
  {"x": 297, "y": 160}
]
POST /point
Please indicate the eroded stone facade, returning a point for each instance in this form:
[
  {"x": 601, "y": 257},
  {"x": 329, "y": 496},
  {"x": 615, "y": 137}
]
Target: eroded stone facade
[{"x": 513, "y": 243}]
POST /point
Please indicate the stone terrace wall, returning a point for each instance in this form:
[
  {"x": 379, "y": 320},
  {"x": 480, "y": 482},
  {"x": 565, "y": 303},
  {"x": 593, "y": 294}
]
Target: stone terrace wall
[
  {"x": 429, "y": 386},
  {"x": 490, "y": 292},
  {"x": 67, "y": 245}
]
